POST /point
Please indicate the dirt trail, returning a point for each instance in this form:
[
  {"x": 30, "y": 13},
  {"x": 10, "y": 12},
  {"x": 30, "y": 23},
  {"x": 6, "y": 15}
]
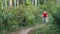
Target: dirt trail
[{"x": 26, "y": 30}]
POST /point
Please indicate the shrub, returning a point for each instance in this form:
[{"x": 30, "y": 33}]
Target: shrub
[
  {"x": 46, "y": 29},
  {"x": 56, "y": 17},
  {"x": 14, "y": 18}
]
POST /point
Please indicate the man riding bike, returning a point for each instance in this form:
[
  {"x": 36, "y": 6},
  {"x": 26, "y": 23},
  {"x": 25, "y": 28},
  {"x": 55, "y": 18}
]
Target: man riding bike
[{"x": 45, "y": 16}]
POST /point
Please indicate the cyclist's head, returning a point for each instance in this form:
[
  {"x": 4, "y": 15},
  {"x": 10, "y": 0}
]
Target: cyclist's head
[{"x": 44, "y": 11}]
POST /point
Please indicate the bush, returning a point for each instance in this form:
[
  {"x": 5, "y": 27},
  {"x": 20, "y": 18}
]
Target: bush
[
  {"x": 14, "y": 18},
  {"x": 46, "y": 29},
  {"x": 56, "y": 17}
]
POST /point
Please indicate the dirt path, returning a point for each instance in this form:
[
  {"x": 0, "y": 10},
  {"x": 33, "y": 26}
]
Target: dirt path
[{"x": 26, "y": 30}]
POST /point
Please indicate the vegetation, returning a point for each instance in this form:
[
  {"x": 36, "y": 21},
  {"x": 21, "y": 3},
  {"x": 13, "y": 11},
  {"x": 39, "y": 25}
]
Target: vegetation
[
  {"x": 13, "y": 18},
  {"x": 54, "y": 12},
  {"x": 46, "y": 29}
]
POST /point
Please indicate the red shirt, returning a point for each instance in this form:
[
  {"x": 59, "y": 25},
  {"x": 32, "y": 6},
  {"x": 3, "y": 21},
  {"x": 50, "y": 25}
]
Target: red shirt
[{"x": 45, "y": 14}]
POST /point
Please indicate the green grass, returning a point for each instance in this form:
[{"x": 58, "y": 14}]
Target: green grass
[{"x": 46, "y": 29}]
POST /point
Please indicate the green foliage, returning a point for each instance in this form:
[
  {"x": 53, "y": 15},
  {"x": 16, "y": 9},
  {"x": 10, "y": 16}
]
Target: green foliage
[
  {"x": 56, "y": 17},
  {"x": 28, "y": 3},
  {"x": 10, "y": 18},
  {"x": 21, "y": 16},
  {"x": 30, "y": 15},
  {"x": 41, "y": 2},
  {"x": 46, "y": 29},
  {"x": 0, "y": 4},
  {"x": 53, "y": 11},
  {"x": 14, "y": 18}
]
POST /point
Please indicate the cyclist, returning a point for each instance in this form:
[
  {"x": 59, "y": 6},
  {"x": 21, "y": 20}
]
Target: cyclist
[{"x": 45, "y": 16}]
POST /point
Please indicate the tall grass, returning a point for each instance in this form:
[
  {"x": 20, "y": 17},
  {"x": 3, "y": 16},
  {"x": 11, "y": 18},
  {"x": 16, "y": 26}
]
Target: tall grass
[{"x": 46, "y": 29}]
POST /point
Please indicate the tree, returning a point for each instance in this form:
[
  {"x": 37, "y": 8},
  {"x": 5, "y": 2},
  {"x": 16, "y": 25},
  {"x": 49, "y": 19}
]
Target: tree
[
  {"x": 23, "y": 2},
  {"x": 14, "y": 3},
  {"x": 2, "y": 4},
  {"x": 10, "y": 3},
  {"x": 5, "y": 3},
  {"x": 17, "y": 2},
  {"x": 35, "y": 3}
]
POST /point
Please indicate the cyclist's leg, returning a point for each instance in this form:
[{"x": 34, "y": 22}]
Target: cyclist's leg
[{"x": 44, "y": 19}]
